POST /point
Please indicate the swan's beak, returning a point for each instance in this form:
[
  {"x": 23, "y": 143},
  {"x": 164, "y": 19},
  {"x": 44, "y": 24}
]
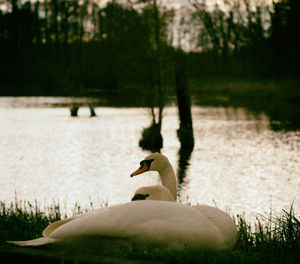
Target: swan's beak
[{"x": 144, "y": 167}]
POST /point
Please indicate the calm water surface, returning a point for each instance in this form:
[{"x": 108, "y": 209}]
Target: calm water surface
[{"x": 238, "y": 163}]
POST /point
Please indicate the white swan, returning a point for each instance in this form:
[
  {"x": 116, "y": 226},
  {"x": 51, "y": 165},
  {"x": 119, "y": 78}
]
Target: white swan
[
  {"x": 149, "y": 222},
  {"x": 155, "y": 192},
  {"x": 160, "y": 163},
  {"x": 216, "y": 217}
]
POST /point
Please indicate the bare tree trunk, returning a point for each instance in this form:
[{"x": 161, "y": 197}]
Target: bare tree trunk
[
  {"x": 151, "y": 136},
  {"x": 158, "y": 59},
  {"x": 185, "y": 131}
]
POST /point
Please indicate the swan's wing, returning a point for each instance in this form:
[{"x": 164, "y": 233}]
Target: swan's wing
[
  {"x": 222, "y": 221},
  {"x": 155, "y": 222},
  {"x": 34, "y": 242},
  {"x": 50, "y": 228}
]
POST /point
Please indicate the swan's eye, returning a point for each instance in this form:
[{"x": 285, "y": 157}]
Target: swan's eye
[{"x": 148, "y": 162}]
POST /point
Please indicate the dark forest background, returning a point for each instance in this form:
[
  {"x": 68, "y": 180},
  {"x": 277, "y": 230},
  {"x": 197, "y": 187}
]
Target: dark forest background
[{"x": 78, "y": 48}]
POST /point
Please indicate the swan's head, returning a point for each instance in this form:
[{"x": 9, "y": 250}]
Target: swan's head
[
  {"x": 153, "y": 162},
  {"x": 156, "y": 192}
]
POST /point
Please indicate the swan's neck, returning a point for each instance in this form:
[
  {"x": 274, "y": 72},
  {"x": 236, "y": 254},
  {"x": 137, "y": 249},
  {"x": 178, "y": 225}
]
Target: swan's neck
[{"x": 168, "y": 180}]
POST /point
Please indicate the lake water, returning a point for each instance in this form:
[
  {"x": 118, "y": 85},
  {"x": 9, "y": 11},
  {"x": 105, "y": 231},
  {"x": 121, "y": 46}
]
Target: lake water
[{"x": 238, "y": 162}]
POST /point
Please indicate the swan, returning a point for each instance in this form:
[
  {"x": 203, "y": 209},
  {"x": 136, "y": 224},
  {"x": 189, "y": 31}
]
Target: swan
[
  {"x": 216, "y": 217},
  {"x": 161, "y": 164},
  {"x": 155, "y": 192},
  {"x": 144, "y": 221}
]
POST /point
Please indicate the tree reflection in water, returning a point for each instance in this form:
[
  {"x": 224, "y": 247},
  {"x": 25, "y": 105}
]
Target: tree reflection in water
[{"x": 183, "y": 163}]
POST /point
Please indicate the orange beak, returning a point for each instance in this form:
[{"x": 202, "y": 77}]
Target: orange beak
[{"x": 141, "y": 169}]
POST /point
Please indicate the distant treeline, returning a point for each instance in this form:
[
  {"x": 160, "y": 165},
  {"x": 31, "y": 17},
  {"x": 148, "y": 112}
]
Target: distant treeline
[
  {"x": 250, "y": 39},
  {"x": 76, "y": 47}
]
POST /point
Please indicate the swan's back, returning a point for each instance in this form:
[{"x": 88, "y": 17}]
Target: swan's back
[{"x": 151, "y": 222}]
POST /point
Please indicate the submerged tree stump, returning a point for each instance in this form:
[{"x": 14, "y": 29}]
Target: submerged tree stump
[
  {"x": 75, "y": 107},
  {"x": 74, "y": 110},
  {"x": 92, "y": 111}
]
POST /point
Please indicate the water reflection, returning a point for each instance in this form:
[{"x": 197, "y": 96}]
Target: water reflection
[
  {"x": 186, "y": 137},
  {"x": 283, "y": 115},
  {"x": 184, "y": 156}
]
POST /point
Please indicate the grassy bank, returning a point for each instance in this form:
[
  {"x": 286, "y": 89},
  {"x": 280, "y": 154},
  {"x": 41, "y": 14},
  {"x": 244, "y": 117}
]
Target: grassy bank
[
  {"x": 268, "y": 240},
  {"x": 279, "y": 99}
]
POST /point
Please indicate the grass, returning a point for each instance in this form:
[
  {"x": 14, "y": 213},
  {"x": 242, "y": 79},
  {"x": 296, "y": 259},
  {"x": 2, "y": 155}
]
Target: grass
[
  {"x": 22, "y": 220},
  {"x": 268, "y": 240}
]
